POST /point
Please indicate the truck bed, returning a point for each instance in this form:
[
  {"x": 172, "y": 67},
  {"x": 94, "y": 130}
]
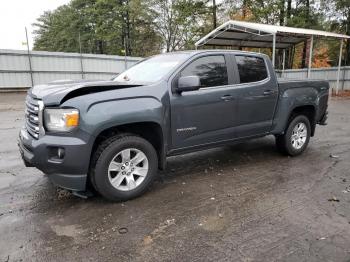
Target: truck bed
[
  {"x": 286, "y": 83},
  {"x": 318, "y": 91}
]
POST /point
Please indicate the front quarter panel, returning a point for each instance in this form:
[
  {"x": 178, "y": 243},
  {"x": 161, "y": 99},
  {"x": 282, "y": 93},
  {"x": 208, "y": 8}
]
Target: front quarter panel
[
  {"x": 106, "y": 114},
  {"x": 100, "y": 111}
]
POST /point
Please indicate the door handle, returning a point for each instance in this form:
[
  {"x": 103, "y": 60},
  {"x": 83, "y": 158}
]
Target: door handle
[
  {"x": 268, "y": 92},
  {"x": 227, "y": 97}
]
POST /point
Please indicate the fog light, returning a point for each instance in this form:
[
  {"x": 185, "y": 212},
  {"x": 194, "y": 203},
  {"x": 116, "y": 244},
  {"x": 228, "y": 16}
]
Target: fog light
[
  {"x": 60, "y": 153},
  {"x": 56, "y": 154}
]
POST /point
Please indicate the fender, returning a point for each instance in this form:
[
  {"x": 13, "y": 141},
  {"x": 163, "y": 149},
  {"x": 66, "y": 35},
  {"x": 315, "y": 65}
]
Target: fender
[
  {"x": 106, "y": 114},
  {"x": 102, "y": 110},
  {"x": 109, "y": 109},
  {"x": 289, "y": 100}
]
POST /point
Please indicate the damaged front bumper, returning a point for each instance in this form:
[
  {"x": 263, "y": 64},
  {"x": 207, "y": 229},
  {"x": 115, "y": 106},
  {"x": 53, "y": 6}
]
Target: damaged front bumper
[{"x": 64, "y": 159}]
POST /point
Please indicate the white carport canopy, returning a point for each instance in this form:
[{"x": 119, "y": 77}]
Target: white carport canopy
[{"x": 246, "y": 34}]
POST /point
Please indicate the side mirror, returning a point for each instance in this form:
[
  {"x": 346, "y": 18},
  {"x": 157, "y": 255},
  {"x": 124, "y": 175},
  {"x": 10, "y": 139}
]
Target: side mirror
[{"x": 188, "y": 83}]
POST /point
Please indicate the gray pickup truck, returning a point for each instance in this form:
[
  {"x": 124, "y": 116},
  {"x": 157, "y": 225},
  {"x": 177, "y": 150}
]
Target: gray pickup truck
[{"x": 113, "y": 136}]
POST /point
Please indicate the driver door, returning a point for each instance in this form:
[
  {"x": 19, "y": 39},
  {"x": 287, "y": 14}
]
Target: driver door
[{"x": 206, "y": 115}]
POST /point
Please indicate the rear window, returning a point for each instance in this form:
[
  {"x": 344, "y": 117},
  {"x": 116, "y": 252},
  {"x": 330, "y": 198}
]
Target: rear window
[
  {"x": 211, "y": 70},
  {"x": 251, "y": 69}
]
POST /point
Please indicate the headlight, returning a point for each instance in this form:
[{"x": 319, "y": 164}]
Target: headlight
[{"x": 61, "y": 120}]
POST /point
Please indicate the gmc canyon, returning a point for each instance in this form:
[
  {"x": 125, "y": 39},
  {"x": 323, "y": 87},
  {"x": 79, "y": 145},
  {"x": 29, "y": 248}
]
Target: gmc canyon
[{"x": 113, "y": 136}]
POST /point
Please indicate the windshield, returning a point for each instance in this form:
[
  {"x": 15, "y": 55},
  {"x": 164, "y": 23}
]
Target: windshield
[{"x": 152, "y": 69}]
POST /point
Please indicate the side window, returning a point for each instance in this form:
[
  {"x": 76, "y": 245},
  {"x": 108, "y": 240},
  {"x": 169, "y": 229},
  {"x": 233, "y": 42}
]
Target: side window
[
  {"x": 251, "y": 69},
  {"x": 211, "y": 70}
]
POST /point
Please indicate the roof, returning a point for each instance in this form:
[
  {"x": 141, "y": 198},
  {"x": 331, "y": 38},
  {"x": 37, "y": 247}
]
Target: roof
[
  {"x": 247, "y": 34},
  {"x": 200, "y": 51}
]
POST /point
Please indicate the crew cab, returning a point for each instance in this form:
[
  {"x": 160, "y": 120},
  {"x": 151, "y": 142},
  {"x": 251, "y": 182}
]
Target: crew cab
[{"x": 113, "y": 136}]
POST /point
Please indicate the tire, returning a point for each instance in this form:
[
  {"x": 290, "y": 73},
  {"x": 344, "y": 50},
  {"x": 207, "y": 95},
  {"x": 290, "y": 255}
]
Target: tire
[
  {"x": 116, "y": 178},
  {"x": 295, "y": 144}
]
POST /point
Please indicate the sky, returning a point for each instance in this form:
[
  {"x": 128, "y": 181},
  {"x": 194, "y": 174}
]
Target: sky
[{"x": 15, "y": 15}]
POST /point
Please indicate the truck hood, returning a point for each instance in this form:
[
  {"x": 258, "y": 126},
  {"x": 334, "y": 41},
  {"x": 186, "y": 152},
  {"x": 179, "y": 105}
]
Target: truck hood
[{"x": 57, "y": 92}]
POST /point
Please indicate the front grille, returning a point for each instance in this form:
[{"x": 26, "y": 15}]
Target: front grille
[{"x": 32, "y": 116}]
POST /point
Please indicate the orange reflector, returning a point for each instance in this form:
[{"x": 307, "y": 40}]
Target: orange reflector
[{"x": 72, "y": 119}]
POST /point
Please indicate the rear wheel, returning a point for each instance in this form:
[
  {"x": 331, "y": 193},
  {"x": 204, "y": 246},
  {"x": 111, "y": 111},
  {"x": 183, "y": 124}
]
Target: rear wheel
[
  {"x": 124, "y": 168},
  {"x": 296, "y": 137}
]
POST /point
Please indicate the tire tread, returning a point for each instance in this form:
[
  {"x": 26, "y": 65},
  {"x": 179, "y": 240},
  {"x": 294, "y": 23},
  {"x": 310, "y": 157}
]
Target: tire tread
[
  {"x": 282, "y": 141},
  {"x": 104, "y": 145}
]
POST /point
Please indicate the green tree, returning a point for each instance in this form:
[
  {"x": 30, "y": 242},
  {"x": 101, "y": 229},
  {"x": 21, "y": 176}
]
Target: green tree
[
  {"x": 180, "y": 22},
  {"x": 104, "y": 26},
  {"x": 54, "y": 31},
  {"x": 338, "y": 14},
  {"x": 131, "y": 27}
]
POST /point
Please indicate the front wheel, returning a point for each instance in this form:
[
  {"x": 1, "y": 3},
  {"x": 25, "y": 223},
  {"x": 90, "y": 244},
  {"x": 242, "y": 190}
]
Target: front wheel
[
  {"x": 124, "y": 167},
  {"x": 296, "y": 138}
]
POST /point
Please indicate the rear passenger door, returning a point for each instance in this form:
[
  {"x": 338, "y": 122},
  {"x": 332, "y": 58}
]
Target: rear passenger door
[{"x": 257, "y": 95}]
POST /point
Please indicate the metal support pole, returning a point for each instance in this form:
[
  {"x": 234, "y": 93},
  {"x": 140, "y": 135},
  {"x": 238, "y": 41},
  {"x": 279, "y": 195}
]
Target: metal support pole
[
  {"x": 292, "y": 57},
  {"x": 339, "y": 66},
  {"x": 29, "y": 60},
  {"x": 125, "y": 46},
  {"x": 273, "y": 50},
  {"x": 310, "y": 57},
  {"x": 344, "y": 70},
  {"x": 284, "y": 61},
  {"x": 81, "y": 59}
]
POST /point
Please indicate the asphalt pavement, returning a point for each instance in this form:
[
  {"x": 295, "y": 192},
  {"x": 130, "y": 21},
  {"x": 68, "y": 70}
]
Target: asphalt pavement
[{"x": 236, "y": 203}]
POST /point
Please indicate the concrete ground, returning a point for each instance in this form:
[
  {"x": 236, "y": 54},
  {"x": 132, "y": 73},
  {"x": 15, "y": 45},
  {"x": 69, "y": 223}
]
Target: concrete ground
[{"x": 236, "y": 203}]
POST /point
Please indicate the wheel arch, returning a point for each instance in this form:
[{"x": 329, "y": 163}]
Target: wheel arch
[
  {"x": 309, "y": 111},
  {"x": 286, "y": 112},
  {"x": 150, "y": 131}
]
